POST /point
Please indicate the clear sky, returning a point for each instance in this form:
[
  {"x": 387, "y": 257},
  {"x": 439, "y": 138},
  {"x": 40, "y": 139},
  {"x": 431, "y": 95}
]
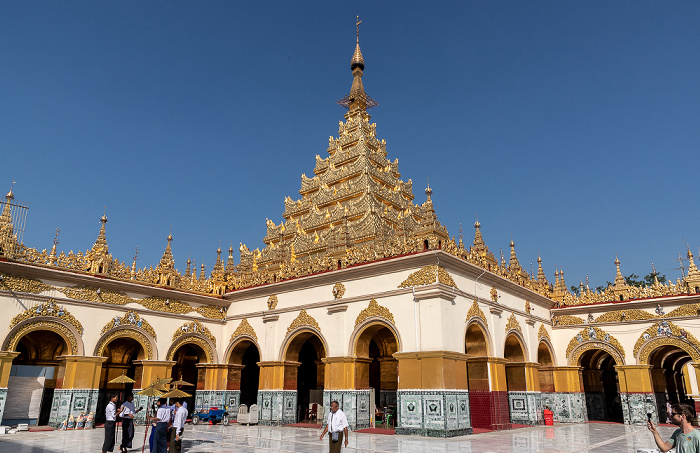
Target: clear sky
[{"x": 571, "y": 127}]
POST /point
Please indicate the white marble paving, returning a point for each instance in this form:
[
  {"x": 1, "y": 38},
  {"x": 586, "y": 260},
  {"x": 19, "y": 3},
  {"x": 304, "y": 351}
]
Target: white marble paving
[{"x": 582, "y": 437}]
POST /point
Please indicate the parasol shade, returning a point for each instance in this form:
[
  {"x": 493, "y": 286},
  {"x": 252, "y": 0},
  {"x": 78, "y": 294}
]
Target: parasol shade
[
  {"x": 150, "y": 391},
  {"x": 123, "y": 379},
  {"x": 176, "y": 393},
  {"x": 180, "y": 382}
]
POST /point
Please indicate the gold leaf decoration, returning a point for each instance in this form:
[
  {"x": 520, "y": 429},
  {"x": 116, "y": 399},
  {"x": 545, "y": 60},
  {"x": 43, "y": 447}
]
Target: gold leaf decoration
[
  {"x": 272, "y": 302},
  {"x": 685, "y": 310},
  {"x": 475, "y": 312},
  {"x": 21, "y": 284},
  {"x": 303, "y": 319},
  {"x": 244, "y": 328},
  {"x": 513, "y": 324},
  {"x": 128, "y": 333},
  {"x": 428, "y": 275},
  {"x": 206, "y": 347},
  {"x": 194, "y": 327},
  {"x": 374, "y": 310},
  {"x": 625, "y": 315},
  {"x": 62, "y": 330},
  {"x": 338, "y": 290},
  {"x": 665, "y": 333},
  {"x": 130, "y": 318},
  {"x": 90, "y": 294},
  {"x": 542, "y": 333},
  {"x": 591, "y": 333},
  {"x": 567, "y": 320},
  {"x": 165, "y": 305},
  {"x": 212, "y": 311},
  {"x": 48, "y": 308},
  {"x": 528, "y": 308},
  {"x": 494, "y": 294}
]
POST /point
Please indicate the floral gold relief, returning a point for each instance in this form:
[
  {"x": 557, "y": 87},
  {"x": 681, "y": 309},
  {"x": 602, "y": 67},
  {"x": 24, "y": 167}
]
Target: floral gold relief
[{"x": 374, "y": 310}]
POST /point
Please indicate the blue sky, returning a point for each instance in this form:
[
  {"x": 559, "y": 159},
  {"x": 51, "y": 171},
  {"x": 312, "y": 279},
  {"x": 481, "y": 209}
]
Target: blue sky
[{"x": 569, "y": 126}]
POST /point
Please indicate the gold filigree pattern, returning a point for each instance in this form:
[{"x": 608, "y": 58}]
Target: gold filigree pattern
[
  {"x": 90, "y": 294},
  {"x": 596, "y": 345},
  {"x": 513, "y": 324},
  {"x": 272, "y": 302},
  {"x": 194, "y": 327},
  {"x": 374, "y": 310},
  {"x": 53, "y": 326},
  {"x": 165, "y": 305},
  {"x": 21, "y": 284},
  {"x": 338, "y": 291},
  {"x": 494, "y": 294},
  {"x": 303, "y": 319},
  {"x": 48, "y": 308},
  {"x": 528, "y": 307},
  {"x": 476, "y": 312},
  {"x": 684, "y": 310},
  {"x": 212, "y": 311},
  {"x": 662, "y": 333},
  {"x": 625, "y": 315},
  {"x": 428, "y": 275},
  {"x": 130, "y": 318},
  {"x": 567, "y": 320},
  {"x": 189, "y": 339},
  {"x": 244, "y": 328},
  {"x": 598, "y": 336},
  {"x": 542, "y": 333},
  {"x": 126, "y": 333}
]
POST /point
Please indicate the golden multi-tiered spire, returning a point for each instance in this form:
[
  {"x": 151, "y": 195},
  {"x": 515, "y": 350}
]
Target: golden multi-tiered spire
[
  {"x": 230, "y": 265},
  {"x": 620, "y": 288},
  {"x": 692, "y": 280},
  {"x": 98, "y": 257},
  {"x": 8, "y": 238},
  {"x": 218, "y": 276},
  {"x": 166, "y": 267},
  {"x": 541, "y": 276},
  {"x": 514, "y": 264}
]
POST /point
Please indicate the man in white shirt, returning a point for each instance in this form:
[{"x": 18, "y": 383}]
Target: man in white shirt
[
  {"x": 160, "y": 432},
  {"x": 110, "y": 423},
  {"x": 178, "y": 426},
  {"x": 337, "y": 424},
  {"x": 127, "y": 413}
]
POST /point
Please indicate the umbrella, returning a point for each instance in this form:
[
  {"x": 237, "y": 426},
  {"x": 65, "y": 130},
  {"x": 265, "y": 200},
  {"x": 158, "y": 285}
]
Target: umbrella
[
  {"x": 122, "y": 380},
  {"x": 176, "y": 393},
  {"x": 180, "y": 382},
  {"x": 150, "y": 392}
]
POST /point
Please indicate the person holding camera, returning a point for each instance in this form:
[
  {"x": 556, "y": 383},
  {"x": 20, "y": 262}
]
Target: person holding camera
[
  {"x": 686, "y": 439},
  {"x": 337, "y": 428}
]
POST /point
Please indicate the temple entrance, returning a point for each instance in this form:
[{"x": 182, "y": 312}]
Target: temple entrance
[
  {"x": 34, "y": 369},
  {"x": 546, "y": 361},
  {"x": 186, "y": 358},
  {"x": 307, "y": 349},
  {"x": 601, "y": 386},
  {"x": 670, "y": 377},
  {"x": 514, "y": 354},
  {"x": 121, "y": 354},
  {"x": 246, "y": 375},
  {"x": 377, "y": 344},
  {"x": 479, "y": 383}
]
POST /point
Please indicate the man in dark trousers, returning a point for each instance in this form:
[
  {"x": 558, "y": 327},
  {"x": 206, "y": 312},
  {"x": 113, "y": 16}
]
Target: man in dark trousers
[
  {"x": 178, "y": 426},
  {"x": 337, "y": 428},
  {"x": 127, "y": 413},
  {"x": 111, "y": 413},
  {"x": 160, "y": 432}
]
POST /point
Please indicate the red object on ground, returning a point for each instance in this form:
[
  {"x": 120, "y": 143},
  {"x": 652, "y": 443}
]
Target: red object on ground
[
  {"x": 548, "y": 417},
  {"x": 388, "y": 432}
]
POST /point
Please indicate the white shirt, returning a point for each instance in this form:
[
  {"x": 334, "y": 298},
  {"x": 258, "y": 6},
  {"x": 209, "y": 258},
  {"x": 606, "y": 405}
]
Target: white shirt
[
  {"x": 111, "y": 412},
  {"x": 163, "y": 414},
  {"x": 128, "y": 410},
  {"x": 180, "y": 418},
  {"x": 337, "y": 421}
]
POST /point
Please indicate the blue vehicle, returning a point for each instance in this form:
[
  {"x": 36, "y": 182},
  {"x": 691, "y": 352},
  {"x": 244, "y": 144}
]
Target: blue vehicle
[{"x": 213, "y": 415}]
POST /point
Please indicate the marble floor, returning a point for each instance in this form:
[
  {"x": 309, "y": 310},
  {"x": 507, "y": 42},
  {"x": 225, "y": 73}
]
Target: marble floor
[{"x": 584, "y": 437}]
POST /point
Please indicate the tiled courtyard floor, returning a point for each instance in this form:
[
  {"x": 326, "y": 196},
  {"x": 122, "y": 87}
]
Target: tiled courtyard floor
[{"x": 591, "y": 437}]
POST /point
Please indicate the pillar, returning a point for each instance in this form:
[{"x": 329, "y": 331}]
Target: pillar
[
  {"x": 594, "y": 394},
  {"x": 6, "y": 358},
  {"x": 77, "y": 387},
  {"x": 346, "y": 380},
  {"x": 524, "y": 397},
  {"x": 637, "y": 393},
  {"x": 433, "y": 394},
  {"x": 147, "y": 373},
  {"x": 488, "y": 393},
  {"x": 658, "y": 382},
  {"x": 277, "y": 392},
  {"x": 211, "y": 386},
  {"x": 567, "y": 400}
]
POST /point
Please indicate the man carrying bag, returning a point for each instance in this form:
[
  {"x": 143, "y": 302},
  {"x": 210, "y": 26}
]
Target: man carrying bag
[{"x": 337, "y": 428}]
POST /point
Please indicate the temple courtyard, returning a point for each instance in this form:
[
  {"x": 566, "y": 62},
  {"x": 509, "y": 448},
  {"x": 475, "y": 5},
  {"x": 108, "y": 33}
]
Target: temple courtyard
[{"x": 579, "y": 437}]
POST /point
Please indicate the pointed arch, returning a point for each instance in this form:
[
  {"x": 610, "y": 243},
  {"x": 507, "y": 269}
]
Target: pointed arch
[
  {"x": 147, "y": 342},
  {"x": 57, "y": 325},
  {"x": 477, "y": 338}
]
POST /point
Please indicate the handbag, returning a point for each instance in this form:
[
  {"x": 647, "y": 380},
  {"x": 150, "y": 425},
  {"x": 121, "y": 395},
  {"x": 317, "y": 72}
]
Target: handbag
[{"x": 334, "y": 434}]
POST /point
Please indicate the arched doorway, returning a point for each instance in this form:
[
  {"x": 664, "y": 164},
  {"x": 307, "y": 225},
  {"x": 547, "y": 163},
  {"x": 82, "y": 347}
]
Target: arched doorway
[
  {"x": 546, "y": 372},
  {"x": 601, "y": 386},
  {"x": 34, "y": 369},
  {"x": 514, "y": 353},
  {"x": 307, "y": 349},
  {"x": 377, "y": 344},
  {"x": 186, "y": 358},
  {"x": 244, "y": 374},
  {"x": 481, "y": 393},
  {"x": 669, "y": 377},
  {"x": 121, "y": 352}
]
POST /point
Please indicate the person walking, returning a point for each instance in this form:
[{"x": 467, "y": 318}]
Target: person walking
[
  {"x": 127, "y": 413},
  {"x": 685, "y": 439},
  {"x": 160, "y": 432},
  {"x": 178, "y": 426},
  {"x": 337, "y": 428},
  {"x": 111, "y": 413}
]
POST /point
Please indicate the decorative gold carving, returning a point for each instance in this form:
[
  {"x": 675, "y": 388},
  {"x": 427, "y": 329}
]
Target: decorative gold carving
[
  {"x": 194, "y": 327},
  {"x": 53, "y": 326},
  {"x": 189, "y": 339},
  {"x": 597, "y": 337},
  {"x": 428, "y": 275},
  {"x": 513, "y": 324},
  {"x": 21, "y": 284},
  {"x": 475, "y": 312},
  {"x": 567, "y": 320},
  {"x": 212, "y": 311},
  {"x": 130, "y": 318},
  {"x": 303, "y": 319},
  {"x": 272, "y": 302},
  {"x": 542, "y": 333},
  {"x": 596, "y": 345},
  {"x": 90, "y": 294},
  {"x": 338, "y": 290},
  {"x": 48, "y": 308},
  {"x": 126, "y": 333},
  {"x": 625, "y": 315},
  {"x": 684, "y": 310},
  {"x": 528, "y": 308},
  {"x": 494, "y": 294},
  {"x": 244, "y": 328},
  {"x": 165, "y": 305},
  {"x": 374, "y": 310},
  {"x": 665, "y": 333}
]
